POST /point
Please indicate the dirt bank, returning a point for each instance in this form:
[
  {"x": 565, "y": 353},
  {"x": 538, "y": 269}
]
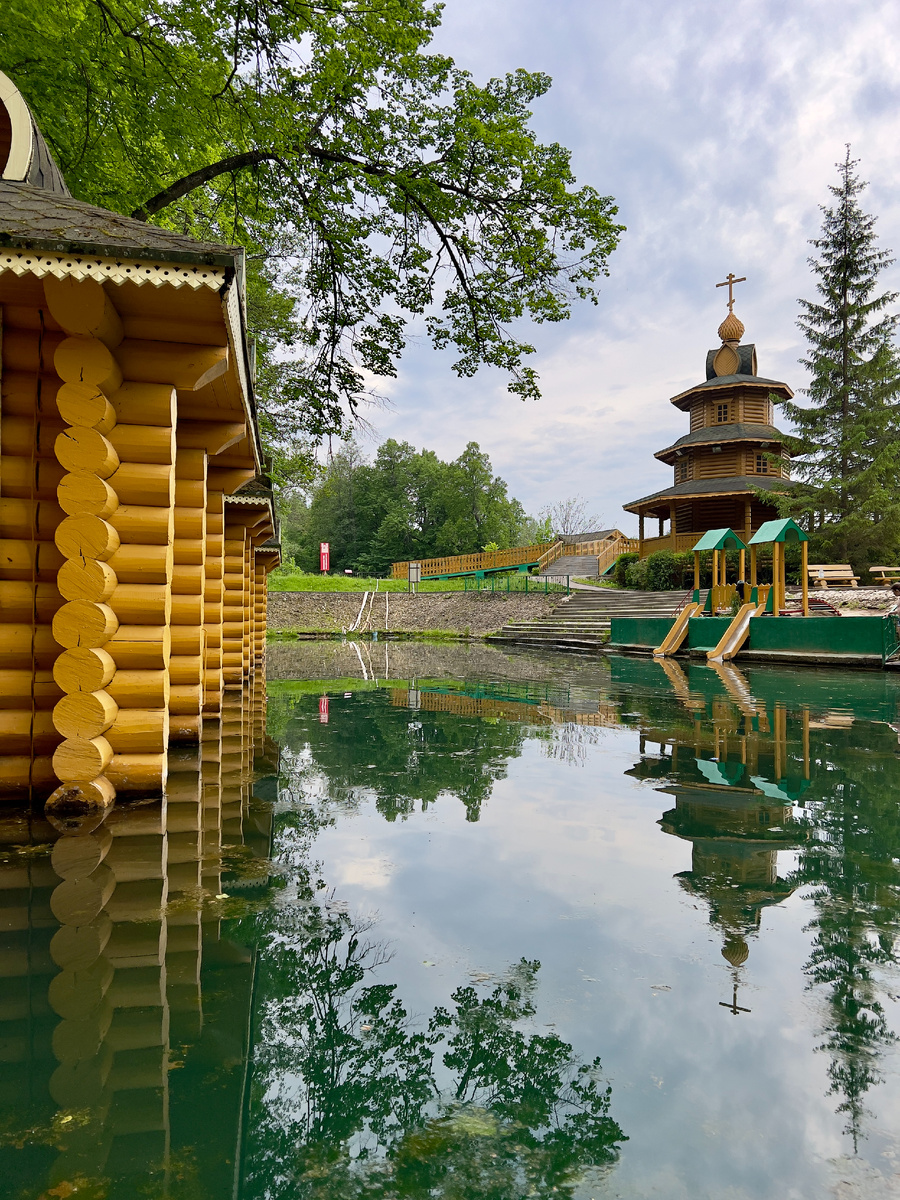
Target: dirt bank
[{"x": 335, "y": 612}]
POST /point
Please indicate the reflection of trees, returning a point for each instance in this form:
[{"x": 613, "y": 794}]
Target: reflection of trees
[
  {"x": 847, "y": 859},
  {"x": 350, "y": 1101},
  {"x": 419, "y": 755},
  {"x": 852, "y": 867}
]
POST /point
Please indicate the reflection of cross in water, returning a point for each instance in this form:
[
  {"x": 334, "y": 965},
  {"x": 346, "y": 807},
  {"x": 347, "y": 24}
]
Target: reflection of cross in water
[{"x": 734, "y": 1007}]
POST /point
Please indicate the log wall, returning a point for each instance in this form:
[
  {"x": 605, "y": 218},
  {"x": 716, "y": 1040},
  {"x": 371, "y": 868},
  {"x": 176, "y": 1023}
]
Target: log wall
[{"x": 132, "y": 595}]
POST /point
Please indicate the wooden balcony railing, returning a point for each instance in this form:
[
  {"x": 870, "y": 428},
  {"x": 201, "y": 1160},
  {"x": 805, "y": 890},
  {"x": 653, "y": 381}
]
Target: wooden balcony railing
[{"x": 460, "y": 564}]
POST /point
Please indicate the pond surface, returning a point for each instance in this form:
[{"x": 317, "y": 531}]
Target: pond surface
[{"x": 508, "y": 925}]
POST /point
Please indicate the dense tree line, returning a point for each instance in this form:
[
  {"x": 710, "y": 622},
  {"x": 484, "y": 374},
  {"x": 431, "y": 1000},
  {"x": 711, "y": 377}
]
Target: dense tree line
[{"x": 403, "y": 505}]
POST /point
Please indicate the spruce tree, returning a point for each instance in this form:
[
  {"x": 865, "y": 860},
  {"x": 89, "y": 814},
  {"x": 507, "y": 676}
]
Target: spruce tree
[{"x": 848, "y": 437}]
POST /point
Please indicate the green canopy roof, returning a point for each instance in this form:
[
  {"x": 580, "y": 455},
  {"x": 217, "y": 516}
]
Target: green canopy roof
[
  {"x": 785, "y": 530},
  {"x": 720, "y": 539}
]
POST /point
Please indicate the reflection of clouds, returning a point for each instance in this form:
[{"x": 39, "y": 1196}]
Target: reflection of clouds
[{"x": 363, "y": 872}]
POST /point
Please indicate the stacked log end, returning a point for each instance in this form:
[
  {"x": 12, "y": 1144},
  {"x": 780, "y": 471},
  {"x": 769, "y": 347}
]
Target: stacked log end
[{"x": 87, "y": 540}]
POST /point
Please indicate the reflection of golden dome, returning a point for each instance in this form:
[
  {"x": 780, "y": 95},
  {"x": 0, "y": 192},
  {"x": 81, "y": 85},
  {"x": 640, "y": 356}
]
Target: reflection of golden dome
[
  {"x": 736, "y": 951},
  {"x": 731, "y": 329}
]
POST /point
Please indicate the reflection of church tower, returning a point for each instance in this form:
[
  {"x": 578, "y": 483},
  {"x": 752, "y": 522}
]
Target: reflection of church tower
[
  {"x": 731, "y": 454},
  {"x": 735, "y": 837}
]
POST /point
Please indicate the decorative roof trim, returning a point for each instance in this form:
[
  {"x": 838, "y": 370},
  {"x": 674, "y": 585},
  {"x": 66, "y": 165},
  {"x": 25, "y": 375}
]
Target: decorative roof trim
[
  {"x": 730, "y": 433},
  {"x": 239, "y": 499},
  {"x": 731, "y": 382},
  {"x": 730, "y": 485},
  {"x": 116, "y": 270},
  {"x": 21, "y": 150}
]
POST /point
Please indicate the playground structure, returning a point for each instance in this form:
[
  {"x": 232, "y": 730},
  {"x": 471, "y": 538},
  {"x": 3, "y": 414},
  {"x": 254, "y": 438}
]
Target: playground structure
[{"x": 756, "y": 620}]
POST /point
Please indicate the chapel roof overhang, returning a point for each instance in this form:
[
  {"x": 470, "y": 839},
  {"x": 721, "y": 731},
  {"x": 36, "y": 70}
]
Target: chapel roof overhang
[
  {"x": 713, "y": 435},
  {"x": 34, "y": 218},
  {"x": 730, "y": 383},
  {"x": 732, "y": 485}
]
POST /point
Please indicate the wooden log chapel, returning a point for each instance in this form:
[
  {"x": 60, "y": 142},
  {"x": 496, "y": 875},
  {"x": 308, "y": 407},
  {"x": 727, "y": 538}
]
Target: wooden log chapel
[{"x": 136, "y": 518}]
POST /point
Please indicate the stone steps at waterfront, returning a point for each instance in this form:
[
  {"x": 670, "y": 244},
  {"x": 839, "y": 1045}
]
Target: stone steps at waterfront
[{"x": 583, "y": 621}]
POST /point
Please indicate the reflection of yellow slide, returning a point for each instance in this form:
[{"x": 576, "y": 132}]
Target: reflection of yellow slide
[
  {"x": 736, "y": 633},
  {"x": 676, "y": 635}
]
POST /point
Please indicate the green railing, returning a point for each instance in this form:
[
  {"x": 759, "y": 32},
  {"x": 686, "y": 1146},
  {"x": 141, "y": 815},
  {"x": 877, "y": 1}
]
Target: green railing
[
  {"x": 526, "y": 584},
  {"x": 890, "y": 637}
]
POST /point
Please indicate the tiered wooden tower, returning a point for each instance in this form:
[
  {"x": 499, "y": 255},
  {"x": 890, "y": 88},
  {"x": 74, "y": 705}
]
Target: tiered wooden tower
[
  {"x": 136, "y": 518},
  {"x": 732, "y": 453}
]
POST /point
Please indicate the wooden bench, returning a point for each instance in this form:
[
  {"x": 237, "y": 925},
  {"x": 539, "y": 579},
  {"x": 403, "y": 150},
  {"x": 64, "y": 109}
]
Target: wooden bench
[
  {"x": 886, "y": 575},
  {"x": 824, "y": 574}
]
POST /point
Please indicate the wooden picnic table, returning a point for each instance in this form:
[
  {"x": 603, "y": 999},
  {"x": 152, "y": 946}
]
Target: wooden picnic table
[
  {"x": 824, "y": 574},
  {"x": 886, "y": 575}
]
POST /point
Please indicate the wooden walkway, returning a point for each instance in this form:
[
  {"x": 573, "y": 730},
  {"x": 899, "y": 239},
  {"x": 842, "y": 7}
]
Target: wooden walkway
[{"x": 543, "y": 555}]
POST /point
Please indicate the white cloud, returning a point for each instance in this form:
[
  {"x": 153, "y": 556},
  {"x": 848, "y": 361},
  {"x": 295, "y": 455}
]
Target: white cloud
[{"x": 716, "y": 127}]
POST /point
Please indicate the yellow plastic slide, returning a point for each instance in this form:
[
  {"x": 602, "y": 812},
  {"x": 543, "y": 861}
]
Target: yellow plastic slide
[
  {"x": 676, "y": 635},
  {"x": 736, "y": 633}
]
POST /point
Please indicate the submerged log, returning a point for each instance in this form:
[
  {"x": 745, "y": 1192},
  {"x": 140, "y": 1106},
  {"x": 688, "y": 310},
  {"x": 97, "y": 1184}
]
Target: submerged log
[{"x": 77, "y": 803}]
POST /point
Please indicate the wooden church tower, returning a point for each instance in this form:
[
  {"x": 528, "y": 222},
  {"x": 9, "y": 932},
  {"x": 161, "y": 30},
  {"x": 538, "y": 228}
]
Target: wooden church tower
[
  {"x": 137, "y": 524},
  {"x": 732, "y": 453}
]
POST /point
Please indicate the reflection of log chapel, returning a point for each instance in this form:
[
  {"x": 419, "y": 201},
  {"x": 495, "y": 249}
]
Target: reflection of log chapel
[{"x": 731, "y": 454}]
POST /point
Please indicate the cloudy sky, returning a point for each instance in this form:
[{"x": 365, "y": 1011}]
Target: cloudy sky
[{"x": 716, "y": 126}]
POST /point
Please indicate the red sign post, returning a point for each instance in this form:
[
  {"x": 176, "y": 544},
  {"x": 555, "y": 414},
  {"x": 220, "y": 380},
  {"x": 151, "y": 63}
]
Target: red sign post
[{"x": 324, "y": 556}]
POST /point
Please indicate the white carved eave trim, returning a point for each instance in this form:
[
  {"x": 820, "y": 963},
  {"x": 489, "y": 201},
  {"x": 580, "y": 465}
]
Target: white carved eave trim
[
  {"x": 22, "y": 143},
  {"x": 120, "y": 270}
]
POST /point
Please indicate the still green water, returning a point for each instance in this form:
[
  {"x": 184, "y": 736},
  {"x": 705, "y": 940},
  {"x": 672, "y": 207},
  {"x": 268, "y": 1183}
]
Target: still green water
[{"x": 498, "y": 925}]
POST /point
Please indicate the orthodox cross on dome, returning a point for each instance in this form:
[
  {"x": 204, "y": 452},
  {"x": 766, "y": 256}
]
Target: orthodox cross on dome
[{"x": 729, "y": 283}]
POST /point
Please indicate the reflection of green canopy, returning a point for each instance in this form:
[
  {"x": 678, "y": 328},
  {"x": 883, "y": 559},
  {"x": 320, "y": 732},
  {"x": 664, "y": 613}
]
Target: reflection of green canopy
[
  {"x": 720, "y": 539},
  {"x": 720, "y": 772},
  {"x": 784, "y": 789},
  {"x": 785, "y": 530}
]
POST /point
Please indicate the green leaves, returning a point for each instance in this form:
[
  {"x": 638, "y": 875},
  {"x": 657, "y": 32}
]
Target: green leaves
[
  {"x": 849, "y": 435},
  {"x": 404, "y": 505},
  {"x": 372, "y": 181}
]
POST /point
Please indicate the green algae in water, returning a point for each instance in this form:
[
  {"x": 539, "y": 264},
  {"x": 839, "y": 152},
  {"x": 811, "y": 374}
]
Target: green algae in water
[{"x": 522, "y": 926}]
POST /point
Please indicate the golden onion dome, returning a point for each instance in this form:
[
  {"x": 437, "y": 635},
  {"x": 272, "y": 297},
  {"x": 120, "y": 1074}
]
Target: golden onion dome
[
  {"x": 736, "y": 951},
  {"x": 731, "y": 329}
]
